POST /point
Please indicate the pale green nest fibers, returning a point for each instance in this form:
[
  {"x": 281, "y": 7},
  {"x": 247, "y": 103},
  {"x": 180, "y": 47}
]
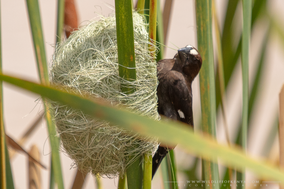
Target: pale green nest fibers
[{"x": 87, "y": 63}]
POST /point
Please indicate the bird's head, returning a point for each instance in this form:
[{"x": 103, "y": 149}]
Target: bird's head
[{"x": 188, "y": 61}]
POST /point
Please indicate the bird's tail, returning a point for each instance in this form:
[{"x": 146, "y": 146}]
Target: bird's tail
[{"x": 158, "y": 157}]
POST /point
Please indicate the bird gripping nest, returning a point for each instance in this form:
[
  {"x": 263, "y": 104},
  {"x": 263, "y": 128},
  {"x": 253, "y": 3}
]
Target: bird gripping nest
[{"x": 87, "y": 64}]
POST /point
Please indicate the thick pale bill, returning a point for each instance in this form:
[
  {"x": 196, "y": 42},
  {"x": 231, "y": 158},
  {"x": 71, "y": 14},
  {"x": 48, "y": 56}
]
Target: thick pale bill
[{"x": 192, "y": 50}]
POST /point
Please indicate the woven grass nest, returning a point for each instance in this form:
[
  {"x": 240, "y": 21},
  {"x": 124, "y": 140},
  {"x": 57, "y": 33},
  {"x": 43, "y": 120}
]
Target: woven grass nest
[{"x": 87, "y": 64}]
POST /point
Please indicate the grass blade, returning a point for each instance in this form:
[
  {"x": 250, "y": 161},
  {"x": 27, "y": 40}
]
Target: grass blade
[
  {"x": 3, "y": 154},
  {"x": 277, "y": 27},
  {"x": 220, "y": 83},
  {"x": 153, "y": 26},
  {"x": 2, "y": 129},
  {"x": 227, "y": 28},
  {"x": 13, "y": 144},
  {"x": 6, "y": 176},
  {"x": 125, "y": 42},
  {"x": 271, "y": 138},
  {"x": 195, "y": 143},
  {"x": 152, "y": 48},
  {"x": 165, "y": 174},
  {"x": 35, "y": 23},
  {"x": 60, "y": 19},
  {"x": 220, "y": 71},
  {"x": 220, "y": 78},
  {"x": 147, "y": 173},
  {"x": 256, "y": 13},
  {"x": 134, "y": 174},
  {"x": 230, "y": 58},
  {"x": 2, "y": 143},
  {"x": 227, "y": 41},
  {"x": 207, "y": 84},
  {"x": 159, "y": 33},
  {"x": 99, "y": 183},
  {"x": 126, "y": 60},
  {"x": 9, "y": 176},
  {"x": 51, "y": 176},
  {"x": 259, "y": 73},
  {"x": 245, "y": 78},
  {"x": 147, "y": 10},
  {"x": 253, "y": 94},
  {"x": 227, "y": 48},
  {"x": 122, "y": 182},
  {"x": 172, "y": 171},
  {"x": 169, "y": 171},
  {"x": 140, "y": 6},
  {"x": 27, "y": 134}
]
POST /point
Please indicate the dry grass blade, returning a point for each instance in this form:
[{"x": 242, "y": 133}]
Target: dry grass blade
[
  {"x": 281, "y": 129},
  {"x": 166, "y": 18},
  {"x": 34, "y": 170},
  {"x": 17, "y": 147},
  {"x": 31, "y": 129},
  {"x": 27, "y": 134},
  {"x": 70, "y": 17},
  {"x": 79, "y": 180}
]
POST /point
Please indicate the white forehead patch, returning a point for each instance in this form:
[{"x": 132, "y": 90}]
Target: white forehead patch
[
  {"x": 181, "y": 114},
  {"x": 193, "y": 52},
  {"x": 188, "y": 46}
]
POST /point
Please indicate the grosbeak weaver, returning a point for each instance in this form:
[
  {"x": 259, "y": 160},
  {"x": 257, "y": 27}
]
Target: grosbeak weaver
[{"x": 174, "y": 91}]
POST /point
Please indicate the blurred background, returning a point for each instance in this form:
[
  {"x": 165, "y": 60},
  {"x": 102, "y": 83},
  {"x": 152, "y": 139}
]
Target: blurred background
[{"x": 22, "y": 108}]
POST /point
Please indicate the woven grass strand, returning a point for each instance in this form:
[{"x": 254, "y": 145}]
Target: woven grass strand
[{"x": 87, "y": 63}]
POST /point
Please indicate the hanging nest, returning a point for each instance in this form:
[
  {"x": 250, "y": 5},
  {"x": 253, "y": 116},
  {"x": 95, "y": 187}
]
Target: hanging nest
[{"x": 87, "y": 64}]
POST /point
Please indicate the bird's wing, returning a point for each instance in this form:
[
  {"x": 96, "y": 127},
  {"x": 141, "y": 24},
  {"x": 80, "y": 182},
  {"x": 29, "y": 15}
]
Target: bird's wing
[
  {"x": 175, "y": 97},
  {"x": 164, "y": 66}
]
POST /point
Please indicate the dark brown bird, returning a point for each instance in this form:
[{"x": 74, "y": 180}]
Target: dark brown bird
[{"x": 174, "y": 91}]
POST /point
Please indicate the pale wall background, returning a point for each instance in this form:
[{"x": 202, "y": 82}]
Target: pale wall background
[{"x": 21, "y": 107}]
